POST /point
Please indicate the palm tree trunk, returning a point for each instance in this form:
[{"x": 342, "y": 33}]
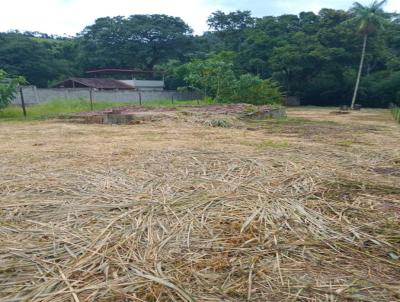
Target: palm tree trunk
[{"x": 359, "y": 71}]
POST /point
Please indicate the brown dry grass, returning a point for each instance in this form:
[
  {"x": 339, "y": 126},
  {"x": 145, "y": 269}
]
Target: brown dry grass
[{"x": 297, "y": 210}]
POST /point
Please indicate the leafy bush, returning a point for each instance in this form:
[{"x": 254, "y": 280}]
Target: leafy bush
[
  {"x": 218, "y": 123},
  {"x": 380, "y": 89},
  {"x": 396, "y": 113},
  {"x": 8, "y": 88},
  {"x": 253, "y": 90},
  {"x": 215, "y": 76}
]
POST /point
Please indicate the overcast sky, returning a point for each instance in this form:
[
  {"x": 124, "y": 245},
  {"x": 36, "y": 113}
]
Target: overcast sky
[{"x": 68, "y": 17}]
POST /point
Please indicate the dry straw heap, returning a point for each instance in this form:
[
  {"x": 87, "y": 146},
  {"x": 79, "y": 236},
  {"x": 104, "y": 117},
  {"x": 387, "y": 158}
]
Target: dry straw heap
[{"x": 141, "y": 220}]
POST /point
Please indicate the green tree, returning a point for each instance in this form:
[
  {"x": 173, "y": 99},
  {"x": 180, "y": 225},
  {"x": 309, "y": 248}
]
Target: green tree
[
  {"x": 174, "y": 74},
  {"x": 313, "y": 56},
  {"x": 138, "y": 41},
  {"x": 213, "y": 75},
  {"x": 369, "y": 20},
  {"x": 40, "y": 60},
  {"x": 8, "y": 88},
  {"x": 231, "y": 27}
]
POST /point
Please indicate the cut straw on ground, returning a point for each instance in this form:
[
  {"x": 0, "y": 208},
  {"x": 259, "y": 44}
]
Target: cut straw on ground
[{"x": 180, "y": 211}]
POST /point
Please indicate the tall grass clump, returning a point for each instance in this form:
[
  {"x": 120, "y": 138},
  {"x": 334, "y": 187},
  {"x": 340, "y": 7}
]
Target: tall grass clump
[{"x": 396, "y": 113}]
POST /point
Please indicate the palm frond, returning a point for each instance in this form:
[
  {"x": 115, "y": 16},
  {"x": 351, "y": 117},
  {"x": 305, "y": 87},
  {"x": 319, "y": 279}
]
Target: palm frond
[
  {"x": 369, "y": 18},
  {"x": 378, "y": 5}
]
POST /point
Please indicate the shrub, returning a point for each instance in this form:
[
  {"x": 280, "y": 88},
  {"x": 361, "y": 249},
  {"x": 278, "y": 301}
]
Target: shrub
[
  {"x": 218, "y": 123},
  {"x": 380, "y": 89},
  {"x": 396, "y": 113},
  {"x": 253, "y": 90},
  {"x": 216, "y": 77},
  {"x": 8, "y": 88}
]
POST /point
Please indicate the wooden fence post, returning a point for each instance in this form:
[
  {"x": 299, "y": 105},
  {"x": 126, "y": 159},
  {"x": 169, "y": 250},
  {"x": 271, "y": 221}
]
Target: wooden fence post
[
  {"x": 91, "y": 98},
  {"x": 22, "y": 101}
]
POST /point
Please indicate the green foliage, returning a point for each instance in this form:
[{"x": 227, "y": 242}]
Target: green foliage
[
  {"x": 140, "y": 41},
  {"x": 370, "y": 18},
  {"x": 380, "y": 88},
  {"x": 253, "y": 90},
  {"x": 8, "y": 88},
  {"x": 174, "y": 74},
  {"x": 218, "y": 123},
  {"x": 312, "y": 56},
  {"x": 231, "y": 21},
  {"x": 215, "y": 76},
  {"x": 396, "y": 113},
  {"x": 231, "y": 28},
  {"x": 39, "y": 60},
  {"x": 272, "y": 144},
  {"x": 345, "y": 143}
]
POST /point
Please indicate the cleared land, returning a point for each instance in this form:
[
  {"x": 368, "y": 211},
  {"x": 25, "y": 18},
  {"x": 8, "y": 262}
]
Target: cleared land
[{"x": 299, "y": 209}]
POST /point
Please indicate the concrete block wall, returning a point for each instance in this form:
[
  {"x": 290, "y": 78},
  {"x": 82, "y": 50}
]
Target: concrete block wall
[{"x": 33, "y": 95}]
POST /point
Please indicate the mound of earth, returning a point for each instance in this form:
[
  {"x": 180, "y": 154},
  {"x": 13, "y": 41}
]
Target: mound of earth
[{"x": 132, "y": 114}]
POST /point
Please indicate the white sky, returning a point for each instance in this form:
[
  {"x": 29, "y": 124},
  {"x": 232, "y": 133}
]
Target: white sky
[{"x": 71, "y": 16}]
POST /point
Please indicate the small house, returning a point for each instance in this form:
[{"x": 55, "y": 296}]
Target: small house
[
  {"x": 101, "y": 84},
  {"x": 116, "y": 79}
]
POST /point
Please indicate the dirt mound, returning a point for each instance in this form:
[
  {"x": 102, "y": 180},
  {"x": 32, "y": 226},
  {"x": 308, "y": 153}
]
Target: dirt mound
[{"x": 133, "y": 114}]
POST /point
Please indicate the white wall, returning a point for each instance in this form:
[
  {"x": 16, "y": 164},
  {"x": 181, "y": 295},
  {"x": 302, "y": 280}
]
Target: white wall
[
  {"x": 145, "y": 85},
  {"x": 33, "y": 95}
]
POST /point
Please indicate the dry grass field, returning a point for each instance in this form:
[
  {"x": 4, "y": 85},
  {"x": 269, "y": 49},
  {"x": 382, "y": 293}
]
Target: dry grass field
[{"x": 301, "y": 209}]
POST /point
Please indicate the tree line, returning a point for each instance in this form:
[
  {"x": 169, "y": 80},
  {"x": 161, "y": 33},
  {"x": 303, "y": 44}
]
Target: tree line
[{"x": 315, "y": 57}]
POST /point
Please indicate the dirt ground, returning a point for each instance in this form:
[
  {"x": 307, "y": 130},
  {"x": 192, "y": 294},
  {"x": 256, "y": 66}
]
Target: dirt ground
[
  {"x": 299, "y": 209},
  {"x": 222, "y": 109}
]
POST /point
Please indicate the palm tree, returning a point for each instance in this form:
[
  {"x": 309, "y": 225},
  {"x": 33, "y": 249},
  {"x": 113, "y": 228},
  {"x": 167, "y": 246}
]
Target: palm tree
[{"x": 369, "y": 19}]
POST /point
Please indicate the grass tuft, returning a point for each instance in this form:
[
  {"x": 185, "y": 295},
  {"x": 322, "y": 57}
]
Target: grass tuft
[
  {"x": 218, "y": 123},
  {"x": 272, "y": 144},
  {"x": 345, "y": 143},
  {"x": 396, "y": 113},
  {"x": 266, "y": 144}
]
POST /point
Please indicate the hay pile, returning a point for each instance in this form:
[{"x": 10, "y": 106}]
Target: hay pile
[{"x": 198, "y": 224}]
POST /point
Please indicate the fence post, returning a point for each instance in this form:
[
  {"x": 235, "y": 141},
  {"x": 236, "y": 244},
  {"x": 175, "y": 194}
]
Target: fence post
[
  {"x": 140, "y": 98},
  {"x": 91, "y": 98},
  {"x": 22, "y": 101},
  {"x": 172, "y": 99},
  {"x": 36, "y": 94}
]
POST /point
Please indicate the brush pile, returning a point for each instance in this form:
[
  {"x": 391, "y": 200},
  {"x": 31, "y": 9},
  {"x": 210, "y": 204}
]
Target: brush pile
[{"x": 136, "y": 114}]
